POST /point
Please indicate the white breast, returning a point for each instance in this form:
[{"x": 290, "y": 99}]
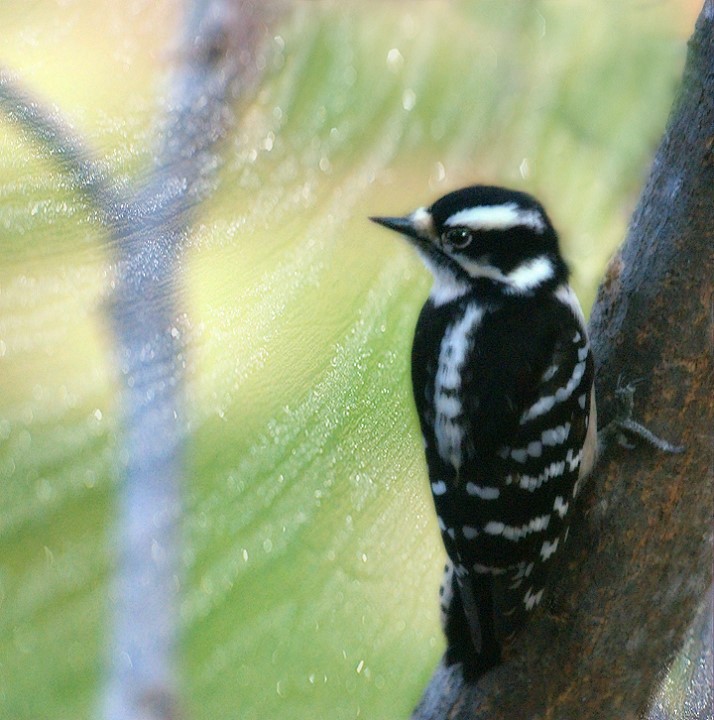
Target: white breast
[{"x": 448, "y": 411}]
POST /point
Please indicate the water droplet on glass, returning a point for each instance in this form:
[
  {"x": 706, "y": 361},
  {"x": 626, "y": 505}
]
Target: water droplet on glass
[
  {"x": 524, "y": 168},
  {"x": 408, "y": 99},
  {"x": 395, "y": 60}
]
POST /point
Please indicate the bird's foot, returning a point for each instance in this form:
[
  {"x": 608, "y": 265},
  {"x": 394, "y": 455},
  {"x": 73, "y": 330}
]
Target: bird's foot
[{"x": 623, "y": 425}]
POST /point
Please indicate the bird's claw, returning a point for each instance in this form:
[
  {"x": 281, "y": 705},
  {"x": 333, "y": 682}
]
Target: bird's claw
[{"x": 623, "y": 422}]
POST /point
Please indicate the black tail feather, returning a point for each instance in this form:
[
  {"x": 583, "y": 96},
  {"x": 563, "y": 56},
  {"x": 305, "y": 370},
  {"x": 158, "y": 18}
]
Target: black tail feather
[{"x": 469, "y": 627}]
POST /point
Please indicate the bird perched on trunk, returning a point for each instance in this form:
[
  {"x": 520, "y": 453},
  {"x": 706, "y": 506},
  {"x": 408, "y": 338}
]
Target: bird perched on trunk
[{"x": 503, "y": 383}]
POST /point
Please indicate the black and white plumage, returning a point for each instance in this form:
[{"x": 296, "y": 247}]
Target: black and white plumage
[{"x": 503, "y": 383}]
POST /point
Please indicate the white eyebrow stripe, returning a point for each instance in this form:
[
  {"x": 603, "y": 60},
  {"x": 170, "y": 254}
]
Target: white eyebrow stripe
[{"x": 497, "y": 217}]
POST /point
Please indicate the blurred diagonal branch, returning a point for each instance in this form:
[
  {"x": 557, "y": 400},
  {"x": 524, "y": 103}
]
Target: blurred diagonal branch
[
  {"x": 46, "y": 125},
  {"x": 639, "y": 568},
  {"x": 217, "y": 61}
]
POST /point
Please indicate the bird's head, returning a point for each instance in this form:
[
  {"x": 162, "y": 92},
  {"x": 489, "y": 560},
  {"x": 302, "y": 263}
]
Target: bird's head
[{"x": 485, "y": 235}]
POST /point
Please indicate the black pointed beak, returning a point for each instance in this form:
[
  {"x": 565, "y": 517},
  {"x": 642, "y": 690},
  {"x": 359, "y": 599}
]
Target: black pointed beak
[{"x": 403, "y": 225}]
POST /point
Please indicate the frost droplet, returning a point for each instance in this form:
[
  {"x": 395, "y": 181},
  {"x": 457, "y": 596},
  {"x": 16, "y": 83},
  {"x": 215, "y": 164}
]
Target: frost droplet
[
  {"x": 408, "y": 99},
  {"x": 395, "y": 60}
]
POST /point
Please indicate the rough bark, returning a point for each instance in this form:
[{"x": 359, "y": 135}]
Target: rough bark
[{"x": 639, "y": 562}]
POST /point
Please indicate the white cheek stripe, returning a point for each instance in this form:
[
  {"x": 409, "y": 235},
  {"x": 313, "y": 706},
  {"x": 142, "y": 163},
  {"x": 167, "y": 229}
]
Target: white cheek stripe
[
  {"x": 522, "y": 279},
  {"x": 498, "y": 217},
  {"x": 531, "y": 274}
]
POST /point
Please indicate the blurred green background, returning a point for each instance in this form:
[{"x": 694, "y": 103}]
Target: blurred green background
[{"x": 311, "y": 557}]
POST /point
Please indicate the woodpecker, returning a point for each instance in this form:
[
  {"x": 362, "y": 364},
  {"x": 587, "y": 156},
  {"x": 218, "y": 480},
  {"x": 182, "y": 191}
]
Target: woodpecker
[{"x": 502, "y": 376}]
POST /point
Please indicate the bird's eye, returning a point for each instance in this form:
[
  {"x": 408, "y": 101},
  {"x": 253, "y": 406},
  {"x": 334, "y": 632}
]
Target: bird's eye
[{"x": 458, "y": 238}]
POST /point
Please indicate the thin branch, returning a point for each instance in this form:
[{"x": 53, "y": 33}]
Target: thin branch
[
  {"x": 46, "y": 126},
  {"x": 151, "y": 236}
]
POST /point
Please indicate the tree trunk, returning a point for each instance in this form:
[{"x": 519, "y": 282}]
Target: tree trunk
[{"x": 639, "y": 564}]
